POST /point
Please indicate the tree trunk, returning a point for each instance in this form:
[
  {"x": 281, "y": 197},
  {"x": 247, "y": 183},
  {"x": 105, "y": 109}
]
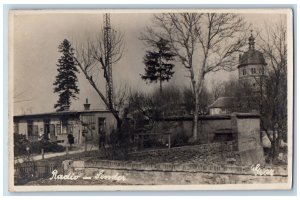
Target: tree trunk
[
  {"x": 119, "y": 123},
  {"x": 195, "y": 120},
  {"x": 276, "y": 145},
  {"x": 108, "y": 102},
  {"x": 160, "y": 86}
]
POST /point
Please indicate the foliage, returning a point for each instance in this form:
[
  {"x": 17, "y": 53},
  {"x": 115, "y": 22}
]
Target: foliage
[
  {"x": 153, "y": 142},
  {"x": 97, "y": 51},
  {"x": 179, "y": 139},
  {"x": 20, "y": 144},
  {"x": 119, "y": 145},
  {"x": 156, "y": 105},
  {"x": 203, "y": 102},
  {"x": 66, "y": 79},
  {"x": 35, "y": 147},
  {"x": 157, "y": 62},
  {"x": 214, "y": 38},
  {"x": 274, "y": 101}
]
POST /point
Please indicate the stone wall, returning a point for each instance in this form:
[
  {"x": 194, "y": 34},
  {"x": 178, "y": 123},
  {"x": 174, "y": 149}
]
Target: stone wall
[
  {"x": 249, "y": 143},
  {"x": 207, "y": 125},
  {"x": 245, "y": 128},
  {"x": 169, "y": 173}
]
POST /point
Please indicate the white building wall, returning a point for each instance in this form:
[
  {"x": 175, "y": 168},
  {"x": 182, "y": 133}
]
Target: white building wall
[
  {"x": 22, "y": 126},
  {"x": 40, "y": 124},
  {"x": 110, "y": 124},
  {"x": 215, "y": 111}
]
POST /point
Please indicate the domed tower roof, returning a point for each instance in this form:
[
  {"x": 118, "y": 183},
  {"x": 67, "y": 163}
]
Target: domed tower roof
[{"x": 252, "y": 56}]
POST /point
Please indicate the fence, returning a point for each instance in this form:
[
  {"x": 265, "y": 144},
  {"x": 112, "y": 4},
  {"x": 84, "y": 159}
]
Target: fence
[{"x": 34, "y": 170}]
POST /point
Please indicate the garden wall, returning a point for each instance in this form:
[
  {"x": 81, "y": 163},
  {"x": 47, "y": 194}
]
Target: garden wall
[
  {"x": 245, "y": 128},
  {"x": 207, "y": 125}
]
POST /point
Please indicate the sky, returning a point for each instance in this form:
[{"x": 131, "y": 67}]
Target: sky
[{"x": 35, "y": 40}]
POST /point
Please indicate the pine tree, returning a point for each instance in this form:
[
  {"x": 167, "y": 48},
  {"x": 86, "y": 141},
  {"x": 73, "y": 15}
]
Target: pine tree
[
  {"x": 157, "y": 62},
  {"x": 66, "y": 79}
]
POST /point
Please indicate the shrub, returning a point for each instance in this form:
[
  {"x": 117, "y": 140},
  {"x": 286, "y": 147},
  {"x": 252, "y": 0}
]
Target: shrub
[
  {"x": 179, "y": 139},
  {"x": 21, "y": 143},
  {"x": 153, "y": 141},
  {"x": 119, "y": 145},
  {"x": 52, "y": 147},
  {"x": 48, "y": 146}
]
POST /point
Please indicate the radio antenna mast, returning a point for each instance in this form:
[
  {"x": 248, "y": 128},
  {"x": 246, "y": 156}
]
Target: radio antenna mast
[{"x": 108, "y": 59}]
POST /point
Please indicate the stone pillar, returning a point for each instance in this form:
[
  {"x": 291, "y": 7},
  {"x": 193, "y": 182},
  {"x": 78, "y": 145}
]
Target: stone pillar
[
  {"x": 248, "y": 139},
  {"x": 234, "y": 129}
]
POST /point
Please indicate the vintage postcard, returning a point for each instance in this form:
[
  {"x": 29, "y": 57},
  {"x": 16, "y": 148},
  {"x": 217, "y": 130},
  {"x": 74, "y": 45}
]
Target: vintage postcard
[{"x": 198, "y": 99}]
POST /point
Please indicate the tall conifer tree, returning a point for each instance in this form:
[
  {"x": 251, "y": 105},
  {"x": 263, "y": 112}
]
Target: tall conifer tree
[
  {"x": 66, "y": 79},
  {"x": 157, "y": 62}
]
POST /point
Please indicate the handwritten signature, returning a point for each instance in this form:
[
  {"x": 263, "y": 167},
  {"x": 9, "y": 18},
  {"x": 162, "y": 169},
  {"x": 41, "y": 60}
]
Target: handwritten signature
[
  {"x": 99, "y": 176},
  {"x": 260, "y": 171}
]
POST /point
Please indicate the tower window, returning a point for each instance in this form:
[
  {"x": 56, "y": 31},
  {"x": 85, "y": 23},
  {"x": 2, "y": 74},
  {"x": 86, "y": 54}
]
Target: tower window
[
  {"x": 244, "y": 72},
  {"x": 253, "y": 70}
]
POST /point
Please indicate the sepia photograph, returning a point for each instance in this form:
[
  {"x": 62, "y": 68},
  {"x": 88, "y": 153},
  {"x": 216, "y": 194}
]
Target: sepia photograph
[{"x": 181, "y": 99}]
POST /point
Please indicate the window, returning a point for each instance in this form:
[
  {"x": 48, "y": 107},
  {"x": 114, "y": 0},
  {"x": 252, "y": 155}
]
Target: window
[
  {"x": 244, "y": 72},
  {"x": 58, "y": 129},
  {"x": 64, "y": 129},
  {"x": 253, "y": 70},
  {"x": 52, "y": 131},
  {"x": 32, "y": 131}
]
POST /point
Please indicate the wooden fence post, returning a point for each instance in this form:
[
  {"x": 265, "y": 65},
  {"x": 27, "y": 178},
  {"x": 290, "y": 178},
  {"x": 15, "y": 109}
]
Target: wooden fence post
[
  {"x": 169, "y": 141},
  {"x": 67, "y": 150},
  {"x": 85, "y": 145},
  {"x": 43, "y": 154}
]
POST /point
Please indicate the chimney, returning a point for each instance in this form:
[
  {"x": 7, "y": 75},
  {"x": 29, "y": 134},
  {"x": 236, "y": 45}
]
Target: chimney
[{"x": 86, "y": 105}]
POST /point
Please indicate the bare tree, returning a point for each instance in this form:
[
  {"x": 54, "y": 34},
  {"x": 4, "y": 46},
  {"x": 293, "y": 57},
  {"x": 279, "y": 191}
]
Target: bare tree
[
  {"x": 203, "y": 43},
  {"x": 217, "y": 90},
  {"x": 204, "y": 100},
  {"x": 88, "y": 57},
  {"x": 121, "y": 97},
  {"x": 274, "y": 102}
]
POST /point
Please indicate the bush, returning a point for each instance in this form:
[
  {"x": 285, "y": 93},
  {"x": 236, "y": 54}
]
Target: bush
[
  {"x": 21, "y": 143},
  {"x": 48, "y": 146},
  {"x": 153, "y": 141},
  {"x": 119, "y": 145},
  {"x": 52, "y": 147},
  {"x": 179, "y": 139}
]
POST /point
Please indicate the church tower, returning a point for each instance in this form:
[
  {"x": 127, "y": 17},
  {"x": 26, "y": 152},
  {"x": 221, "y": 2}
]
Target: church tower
[{"x": 252, "y": 67}]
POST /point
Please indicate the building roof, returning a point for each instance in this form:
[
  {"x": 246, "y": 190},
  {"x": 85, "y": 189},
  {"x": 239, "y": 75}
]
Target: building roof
[
  {"x": 252, "y": 56},
  {"x": 223, "y": 102}
]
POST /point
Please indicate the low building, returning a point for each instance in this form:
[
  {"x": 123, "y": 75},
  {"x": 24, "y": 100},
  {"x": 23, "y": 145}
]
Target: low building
[
  {"x": 84, "y": 125},
  {"x": 223, "y": 105}
]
